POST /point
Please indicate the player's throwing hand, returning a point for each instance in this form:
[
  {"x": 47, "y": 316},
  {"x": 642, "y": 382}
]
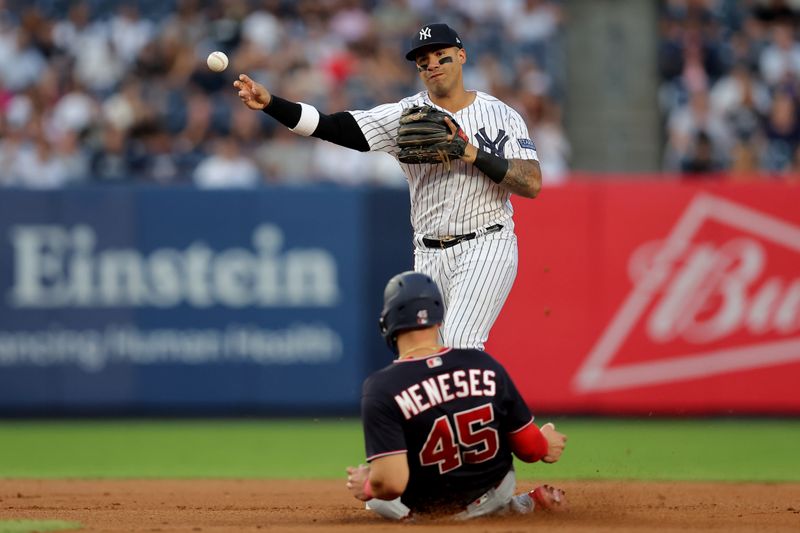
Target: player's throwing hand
[{"x": 253, "y": 95}]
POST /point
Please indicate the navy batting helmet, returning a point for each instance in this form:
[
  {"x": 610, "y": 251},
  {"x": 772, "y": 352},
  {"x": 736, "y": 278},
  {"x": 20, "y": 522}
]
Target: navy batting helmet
[{"x": 410, "y": 301}]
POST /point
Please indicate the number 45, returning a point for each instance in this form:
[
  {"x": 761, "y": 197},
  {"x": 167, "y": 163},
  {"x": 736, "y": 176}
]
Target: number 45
[{"x": 442, "y": 445}]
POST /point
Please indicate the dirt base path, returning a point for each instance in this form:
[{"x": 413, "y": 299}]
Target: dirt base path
[{"x": 256, "y": 505}]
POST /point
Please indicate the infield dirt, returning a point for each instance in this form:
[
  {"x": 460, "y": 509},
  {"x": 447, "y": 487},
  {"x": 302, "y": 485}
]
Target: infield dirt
[{"x": 307, "y": 505}]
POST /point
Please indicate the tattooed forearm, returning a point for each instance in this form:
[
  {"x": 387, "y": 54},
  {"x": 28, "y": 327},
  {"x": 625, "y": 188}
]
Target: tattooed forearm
[{"x": 523, "y": 177}]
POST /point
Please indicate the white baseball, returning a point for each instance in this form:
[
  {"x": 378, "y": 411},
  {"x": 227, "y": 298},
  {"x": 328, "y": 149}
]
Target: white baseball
[{"x": 217, "y": 61}]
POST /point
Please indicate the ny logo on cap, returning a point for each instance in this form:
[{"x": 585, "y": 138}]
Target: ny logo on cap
[{"x": 425, "y": 33}]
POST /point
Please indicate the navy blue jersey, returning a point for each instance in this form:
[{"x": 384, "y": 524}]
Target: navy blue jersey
[{"x": 451, "y": 413}]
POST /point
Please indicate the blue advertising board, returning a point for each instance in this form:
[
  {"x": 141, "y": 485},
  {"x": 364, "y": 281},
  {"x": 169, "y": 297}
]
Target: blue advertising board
[{"x": 172, "y": 300}]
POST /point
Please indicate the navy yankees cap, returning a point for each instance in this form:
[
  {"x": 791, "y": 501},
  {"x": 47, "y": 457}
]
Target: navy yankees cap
[{"x": 441, "y": 34}]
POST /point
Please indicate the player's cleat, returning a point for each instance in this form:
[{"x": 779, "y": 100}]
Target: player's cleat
[{"x": 548, "y": 498}]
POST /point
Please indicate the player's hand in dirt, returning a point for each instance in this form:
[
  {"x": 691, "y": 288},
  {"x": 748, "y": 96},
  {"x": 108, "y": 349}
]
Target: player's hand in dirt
[
  {"x": 556, "y": 442},
  {"x": 356, "y": 477},
  {"x": 253, "y": 94}
]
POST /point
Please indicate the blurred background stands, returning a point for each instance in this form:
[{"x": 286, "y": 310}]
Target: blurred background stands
[
  {"x": 114, "y": 91},
  {"x": 730, "y": 82}
]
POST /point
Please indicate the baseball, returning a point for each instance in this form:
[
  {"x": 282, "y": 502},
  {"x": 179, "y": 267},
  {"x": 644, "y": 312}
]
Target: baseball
[{"x": 217, "y": 61}]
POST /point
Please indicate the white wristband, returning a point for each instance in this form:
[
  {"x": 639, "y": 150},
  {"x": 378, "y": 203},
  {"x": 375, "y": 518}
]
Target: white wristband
[{"x": 309, "y": 120}]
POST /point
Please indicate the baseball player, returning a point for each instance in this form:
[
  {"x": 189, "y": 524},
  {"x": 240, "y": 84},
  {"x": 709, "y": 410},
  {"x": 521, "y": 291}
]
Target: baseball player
[
  {"x": 464, "y": 153},
  {"x": 440, "y": 424}
]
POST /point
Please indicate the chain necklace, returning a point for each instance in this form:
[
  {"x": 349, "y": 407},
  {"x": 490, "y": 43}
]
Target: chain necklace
[{"x": 435, "y": 348}]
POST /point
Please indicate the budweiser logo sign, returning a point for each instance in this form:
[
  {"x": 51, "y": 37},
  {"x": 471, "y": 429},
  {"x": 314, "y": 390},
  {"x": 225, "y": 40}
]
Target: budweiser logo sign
[{"x": 709, "y": 299}]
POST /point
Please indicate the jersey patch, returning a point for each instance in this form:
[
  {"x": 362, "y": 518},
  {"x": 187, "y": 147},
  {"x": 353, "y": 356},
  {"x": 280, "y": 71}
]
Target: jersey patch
[
  {"x": 526, "y": 144},
  {"x": 433, "y": 362}
]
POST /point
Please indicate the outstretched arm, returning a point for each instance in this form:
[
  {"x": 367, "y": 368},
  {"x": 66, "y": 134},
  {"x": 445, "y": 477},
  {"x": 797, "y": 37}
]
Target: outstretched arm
[{"x": 303, "y": 119}]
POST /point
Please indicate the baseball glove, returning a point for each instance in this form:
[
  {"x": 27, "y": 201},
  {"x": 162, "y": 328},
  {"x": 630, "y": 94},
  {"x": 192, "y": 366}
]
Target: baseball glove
[{"x": 424, "y": 137}]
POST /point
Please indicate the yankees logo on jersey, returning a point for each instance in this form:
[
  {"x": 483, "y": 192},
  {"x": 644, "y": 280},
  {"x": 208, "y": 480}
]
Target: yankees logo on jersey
[
  {"x": 449, "y": 419},
  {"x": 495, "y": 146}
]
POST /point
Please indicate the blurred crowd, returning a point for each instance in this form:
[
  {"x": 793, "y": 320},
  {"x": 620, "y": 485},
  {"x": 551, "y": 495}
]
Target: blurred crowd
[
  {"x": 730, "y": 89},
  {"x": 117, "y": 91}
]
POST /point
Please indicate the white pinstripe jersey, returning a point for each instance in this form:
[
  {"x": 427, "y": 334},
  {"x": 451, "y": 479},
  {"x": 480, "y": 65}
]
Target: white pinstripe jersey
[{"x": 462, "y": 200}]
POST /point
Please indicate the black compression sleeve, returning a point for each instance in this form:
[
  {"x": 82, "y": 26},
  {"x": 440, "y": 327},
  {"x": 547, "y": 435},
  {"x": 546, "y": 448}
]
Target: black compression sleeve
[
  {"x": 341, "y": 128},
  {"x": 284, "y": 111},
  {"x": 491, "y": 165}
]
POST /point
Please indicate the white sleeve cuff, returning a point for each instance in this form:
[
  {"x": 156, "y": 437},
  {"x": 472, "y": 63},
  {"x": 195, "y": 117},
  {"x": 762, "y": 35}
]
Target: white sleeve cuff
[{"x": 309, "y": 120}]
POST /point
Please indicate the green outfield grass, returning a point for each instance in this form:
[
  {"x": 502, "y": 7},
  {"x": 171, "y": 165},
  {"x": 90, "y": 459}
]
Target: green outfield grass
[
  {"x": 729, "y": 449},
  {"x": 37, "y": 526}
]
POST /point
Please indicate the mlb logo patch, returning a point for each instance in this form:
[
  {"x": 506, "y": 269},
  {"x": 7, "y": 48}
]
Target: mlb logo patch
[
  {"x": 526, "y": 144},
  {"x": 433, "y": 362},
  {"x": 422, "y": 316}
]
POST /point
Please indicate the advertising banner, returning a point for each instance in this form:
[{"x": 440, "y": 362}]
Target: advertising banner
[
  {"x": 154, "y": 299},
  {"x": 632, "y": 297},
  {"x": 656, "y": 297}
]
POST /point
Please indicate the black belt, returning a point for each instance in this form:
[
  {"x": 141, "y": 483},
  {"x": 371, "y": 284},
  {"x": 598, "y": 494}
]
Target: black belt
[{"x": 452, "y": 240}]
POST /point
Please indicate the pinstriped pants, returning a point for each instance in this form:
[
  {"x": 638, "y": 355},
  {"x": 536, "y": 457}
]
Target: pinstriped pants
[{"x": 475, "y": 278}]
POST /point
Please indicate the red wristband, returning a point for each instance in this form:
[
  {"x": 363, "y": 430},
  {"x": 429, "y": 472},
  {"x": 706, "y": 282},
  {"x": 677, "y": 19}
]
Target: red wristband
[
  {"x": 368, "y": 489},
  {"x": 528, "y": 444}
]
